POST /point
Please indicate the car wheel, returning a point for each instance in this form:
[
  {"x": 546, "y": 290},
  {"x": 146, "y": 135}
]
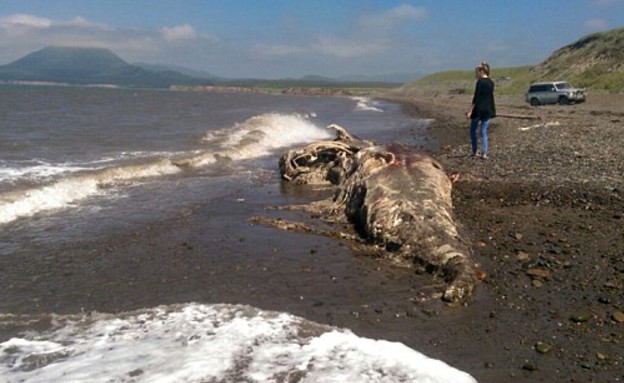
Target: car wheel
[
  {"x": 563, "y": 100},
  {"x": 535, "y": 102}
]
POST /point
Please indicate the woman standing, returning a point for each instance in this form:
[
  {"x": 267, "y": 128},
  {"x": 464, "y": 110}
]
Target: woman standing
[{"x": 483, "y": 108}]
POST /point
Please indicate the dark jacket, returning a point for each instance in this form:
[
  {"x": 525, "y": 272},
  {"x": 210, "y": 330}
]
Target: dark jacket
[{"x": 483, "y": 99}]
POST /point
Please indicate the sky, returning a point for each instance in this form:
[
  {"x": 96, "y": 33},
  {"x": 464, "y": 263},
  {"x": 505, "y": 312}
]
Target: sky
[{"x": 294, "y": 38}]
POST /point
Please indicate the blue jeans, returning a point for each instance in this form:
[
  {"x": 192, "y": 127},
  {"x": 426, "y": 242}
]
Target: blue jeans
[{"x": 485, "y": 122}]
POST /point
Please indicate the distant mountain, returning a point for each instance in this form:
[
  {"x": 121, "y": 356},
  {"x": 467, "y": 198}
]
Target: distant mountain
[
  {"x": 89, "y": 66},
  {"x": 179, "y": 69},
  {"x": 397, "y": 78},
  {"x": 393, "y": 78},
  {"x": 316, "y": 78}
]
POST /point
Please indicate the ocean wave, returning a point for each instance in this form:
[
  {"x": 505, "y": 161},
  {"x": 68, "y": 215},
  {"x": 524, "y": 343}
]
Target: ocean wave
[
  {"x": 256, "y": 137},
  {"x": 261, "y": 134},
  {"x": 366, "y": 104},
  {"x": 34, "y": 170},
  {"x": 66, "y": 191},
  {"x": 216, "y": 343}
]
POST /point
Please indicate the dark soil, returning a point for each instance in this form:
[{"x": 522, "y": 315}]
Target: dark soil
[{"x": 545, "y": 211}]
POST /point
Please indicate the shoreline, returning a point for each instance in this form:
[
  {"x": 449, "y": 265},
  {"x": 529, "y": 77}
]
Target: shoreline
[{"x": 545, "y": 215}]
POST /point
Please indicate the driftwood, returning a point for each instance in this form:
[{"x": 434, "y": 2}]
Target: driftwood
[
  {"x": 544, "y": 125},
  {"x": 397, "y": 198}
]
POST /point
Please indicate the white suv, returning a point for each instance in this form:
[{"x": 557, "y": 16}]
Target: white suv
[{"x": 554, "y": 92}]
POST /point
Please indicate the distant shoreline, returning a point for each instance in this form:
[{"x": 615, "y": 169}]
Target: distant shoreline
[
  {"x": 58, "y": 84},
  {"x": 298, "y": 90}
]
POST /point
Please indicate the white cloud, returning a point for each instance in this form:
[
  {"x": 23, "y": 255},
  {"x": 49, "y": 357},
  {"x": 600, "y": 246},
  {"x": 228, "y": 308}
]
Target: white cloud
[
  {"x": 346, "y": 48},
  {"x": 371, "y": 36},
  {"x": 21, "y": 34},
  {"x": 80, "y": 21},
  {"x": 24, "y": 21},
  {"x": 596, "y": 25},
  {"x": 394, "y": 17},
  {"x": 180, "y": 32}
]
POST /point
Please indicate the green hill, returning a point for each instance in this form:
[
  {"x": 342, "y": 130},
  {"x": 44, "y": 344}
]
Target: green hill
[
  {"x": 89, "y": 66},
  {"x": 595, "y": 62},
  {"x": 510, "y": 80}
]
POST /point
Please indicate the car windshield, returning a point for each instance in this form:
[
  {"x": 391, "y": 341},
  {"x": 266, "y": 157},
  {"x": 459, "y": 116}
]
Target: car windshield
[{"x": 563, "y": 85}]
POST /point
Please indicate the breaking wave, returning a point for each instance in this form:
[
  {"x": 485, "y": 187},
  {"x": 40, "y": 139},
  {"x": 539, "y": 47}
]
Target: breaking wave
[
  {"x": 67, "y": 185},
  {"x": 258, "y": 136},
  {"x": 367, "y": 104},
  {"x": 67, "y": 191},
  {"x": 211, "y": 343}
]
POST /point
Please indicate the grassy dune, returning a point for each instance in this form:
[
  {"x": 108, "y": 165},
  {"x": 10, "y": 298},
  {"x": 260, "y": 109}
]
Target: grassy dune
[
  {"x": 510, "y": 81},
  {"x": 595, "y": 62}
]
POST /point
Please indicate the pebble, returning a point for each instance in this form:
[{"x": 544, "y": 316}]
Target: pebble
[
  {"x": 481, "y": 275},
  {"x": 135, "y": 373},
  {"x": 581, "y": 316},
  {"x": 529, "y": 367},
  {"x": 522, "y": 256},
  {"x": 618, "y": 316},
  {"x": 543, "y": 347},
  {"x": 604, "y": 300},
  {"x": 610, "y": 285},
  {"x": 538, "y": 272},
  {"x": 537, "y": 283},
  {"x": 587, "y": 365},
  {"x": 601, "y": 356}
]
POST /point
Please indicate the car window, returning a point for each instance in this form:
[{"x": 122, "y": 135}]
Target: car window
[
  {"x": 542, "y": 88},
  {"x": 563, "y": 85}
]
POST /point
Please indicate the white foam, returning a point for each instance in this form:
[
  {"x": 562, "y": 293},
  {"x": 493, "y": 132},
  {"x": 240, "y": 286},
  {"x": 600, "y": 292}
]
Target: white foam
[
  {"x": 260, "y": 135},
  {"x": 66, "y": 191},
  {"x": 38, "y": 169},
  {"x": 256, "y": 137},
  {"x": 212, "y": 343},
  {"x": 57, "y": 195},
  {"x": 366, "y": 104}
]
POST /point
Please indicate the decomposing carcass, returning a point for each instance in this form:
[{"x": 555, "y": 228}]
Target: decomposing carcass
[{"x": 397, "y": 198}]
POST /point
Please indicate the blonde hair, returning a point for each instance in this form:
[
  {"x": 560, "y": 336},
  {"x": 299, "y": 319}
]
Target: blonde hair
[{"x": 484, "y": 67}]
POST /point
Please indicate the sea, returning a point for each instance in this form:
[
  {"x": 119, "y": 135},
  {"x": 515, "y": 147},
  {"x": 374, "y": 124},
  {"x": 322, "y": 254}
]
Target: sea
[{"x": 83, "y": 170}]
